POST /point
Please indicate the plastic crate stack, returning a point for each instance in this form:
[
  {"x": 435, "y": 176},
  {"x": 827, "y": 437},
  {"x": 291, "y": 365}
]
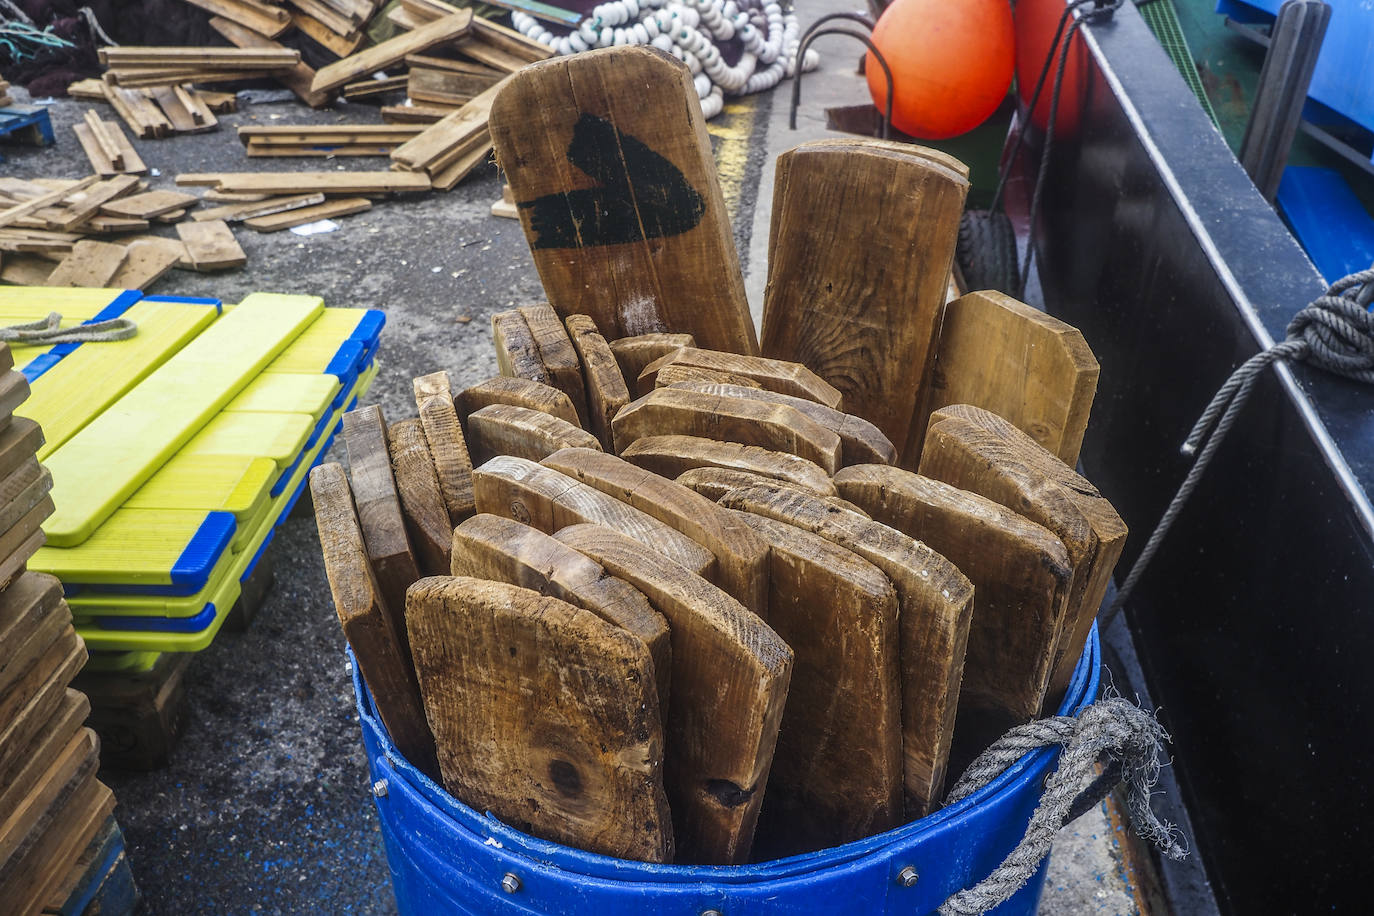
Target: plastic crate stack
[
  {"x": 55, "y": 816},
  {"x": 176, "y": 454}
]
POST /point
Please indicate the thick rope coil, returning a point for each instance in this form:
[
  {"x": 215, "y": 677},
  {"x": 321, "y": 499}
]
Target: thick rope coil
[
  {"x": 1129, "y": 736},
  {"x": 49, "y": 331},
  {"x": 1335, "y": 333}
]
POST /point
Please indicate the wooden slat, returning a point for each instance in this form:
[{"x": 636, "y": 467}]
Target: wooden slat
[
  {"x": 211, "y": 245},
  {"x": 634, "y": 353},
  {"x": 14, "y": 213},
  {"x": 517, "y": 355},
  {"x": 368, "y": 623},
  {"x": 299, "y": 79},
  {"x": 339, "y": 44},
  {"x": 606, "y": 389},
  {"x": 237, "y": 212},
  {"x": 504, "y": 429},
  {"x": 276, "y": 222},
  {"x": 518, "y": 392},
  {"x": 309, "y": 182},
  {"x": 648, "y": 247},
  {"x": 422, "y": 503},
  {"x": 148, "y": 204},
  {"x": 772, "y": 374},
  {"x": 714, "y": 483},
  {"x": 381, "y": 56},
  {"x": 495, "y": 664},
  {"x": 447, "y": 446},
  {"x": 884, "y": 212},
  {"x": 90, "y": 264},
  {"x": 144, "y": 264},
  {"x": 555, "y": 351},
  {"x": 671, "y": 456}
]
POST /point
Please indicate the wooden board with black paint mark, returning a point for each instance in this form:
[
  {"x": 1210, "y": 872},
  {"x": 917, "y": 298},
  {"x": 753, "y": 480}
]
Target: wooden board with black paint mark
[
  {"x": 730, "y": 677},
  {"x": 504, "y": 550},
  {"x": 607, "y": 155},
  {"x": 741, "y": 568},
  {"x": 548, "y": 500},
  {"x": 496, "y": 663},
  {"x": 935, "y": 608},
  {"x": 504, "y": 429}
]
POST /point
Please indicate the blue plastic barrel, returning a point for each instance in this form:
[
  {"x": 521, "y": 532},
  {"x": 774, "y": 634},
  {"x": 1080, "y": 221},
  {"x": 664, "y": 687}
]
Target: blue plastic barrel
[{"x": 447, "y": 858}]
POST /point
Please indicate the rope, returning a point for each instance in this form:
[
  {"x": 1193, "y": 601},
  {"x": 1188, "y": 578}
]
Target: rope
[
  {"x": 48, "y": 331},
  {"x": 1129, "y": 736},
  {"x": 94, "y": 23},
  {"x": 19, "y": 14},
  {"x": 1335, "y": 333}
]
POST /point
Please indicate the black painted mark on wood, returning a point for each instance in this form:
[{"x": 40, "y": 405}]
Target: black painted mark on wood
[{"x": 640, "y": 195}]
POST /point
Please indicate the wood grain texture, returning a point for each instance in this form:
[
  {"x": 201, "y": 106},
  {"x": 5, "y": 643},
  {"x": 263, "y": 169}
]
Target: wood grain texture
[
  {"x": 730, "y": 678},
  {"x": 548, "y": 500},
  {"x": 778, "y": 375},
  {"x": 860, "y": 441},
  {"x": 634, "y": 353},
  {"x": 862, "y": 238},
  {"x": 379, "y": 511},
  {"x": 504, "y": 429},
  {"x": 672, "y": 456},
  {"x": 935, "y": 603},
  {"x": 394, "y": 50},
  {"x": 504, "y": 550},
  {"x": 741, "y": 568},
  {"x": 422, "y": 501},
  {"x": 659, "y": 256},
  {"x": 1032, "y": 370},
  {"x": 666, "y": 374},
  {"x": 447, "y": 446},
  {"x": 1020, "y": 572},
  {"x": 713, "y": 483},
  {"x": 555, "y": 350},
  {"x": 211, "y": 245},
  {"x": 90, "y": 263},
  {"x": 976, "y": 450},
  {"x": 776, "y": 427},
  {"x": 606, "y": 390},
  {"x": 144, "y": 264},
  {"x": 518, "y": 392},
  {"x": 368, "y": 624},
  {"x": 517, "y": 356},
  {"x": 497, "y": 664},
  {"x": 837, "y": 773}
]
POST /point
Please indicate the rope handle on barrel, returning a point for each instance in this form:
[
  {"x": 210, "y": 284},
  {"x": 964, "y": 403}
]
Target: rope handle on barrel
[
  {"x": 49, "y": 331},
  {"x": 1335, "y": 332},
  {"x": 1128, "y": 737}
]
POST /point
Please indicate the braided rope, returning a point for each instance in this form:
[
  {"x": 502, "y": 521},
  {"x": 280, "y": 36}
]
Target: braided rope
[
  {"x": 1129, "y": 736},
  {"x": 1335, "y": 332},
  {"x": 49, "y": 331}
]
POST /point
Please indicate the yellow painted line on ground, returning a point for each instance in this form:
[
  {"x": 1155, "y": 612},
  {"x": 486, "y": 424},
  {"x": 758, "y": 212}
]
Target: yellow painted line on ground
[{"x": 730, "y": 133}]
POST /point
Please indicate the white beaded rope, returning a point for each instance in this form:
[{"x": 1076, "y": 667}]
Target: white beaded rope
[{"x": 689, "y": 30}]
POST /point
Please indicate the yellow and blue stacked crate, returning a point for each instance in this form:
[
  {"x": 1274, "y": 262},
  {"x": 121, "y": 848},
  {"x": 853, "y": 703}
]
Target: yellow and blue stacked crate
[{"x": 176, "y": 453}]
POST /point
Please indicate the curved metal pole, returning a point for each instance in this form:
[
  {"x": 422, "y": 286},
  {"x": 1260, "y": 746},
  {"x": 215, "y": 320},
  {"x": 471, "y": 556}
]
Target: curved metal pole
[{"x": 811, "y": 35}]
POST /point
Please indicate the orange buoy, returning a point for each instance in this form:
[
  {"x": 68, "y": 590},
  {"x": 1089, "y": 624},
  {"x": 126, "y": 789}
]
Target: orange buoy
[
  {"x": 1036, "y": 24},
  {"x": 951, "y": 60}
]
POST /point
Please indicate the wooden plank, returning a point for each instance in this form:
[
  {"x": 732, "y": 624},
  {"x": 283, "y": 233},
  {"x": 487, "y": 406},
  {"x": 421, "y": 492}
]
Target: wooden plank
[
  {"x": 504, "y": 429},
  {"x": 236, "y": 212},
  {"x": 777, "y": 427},
  {"x": 298, "y": 79},
  {"x": 14, "y": 213},
  {"x": 606, "y": 389},
  {"x": 414, "y": 114},
  {"x": 379, "y": 512},
  {"x": 496, "y": 663},
  {"x": 517, "y": 355},
  {"x": 309, "y": 182},
  {"x": 276, "y": 222},
  {"x": 76, "y": 827},
  {"x": 87, "y": 204},
  {"x": 51, "y": 670},
  {"x": 448, "y": 448},
  {"x": 316, "y": 133},
  {"x": 366, "y": 88},
  {"x": 860, "y": 441},
  {"x": 191, "y": 100},
  {"x": 492, "y": 33},
  {"x": 518, "y": 392},
  {"x": 664, "y": 373},
  {"x": 19, "y": 779},
  {"x": 24, "y": 828},
  {"x": 935, "y": 608},
  {"x": 632, "y": 354},
  {"x": 504, "y": 550},
  {"x": 978, "y": 451},
  {"x": 730, "y": 677},
  {"x": 545, "y": 499},
  {"x": 714, "y": 483},
  {"x": 837, "y": 773},
  {"x": 741, "y": 568},
  {"x": 555, "y": 351},
  {"x": 470, "y": 157},
  {"x": 392, "y": 51},
  {"x": 90, "y": 264},
  {"x": 772, "y": 374},
  {"x": 442, "y": 141},
  {"x": 133, "y": 56},
  {"x": 884, "y": 212},
  {"x": 422, "y": 503},
  {"x": 369, "y": 625},
  {"x": 1020, "y": 571},
  {"x": 428, "y": 61},
  {"x": 671, "y": 456},
  {"x": 173, "y": 107},
  {"x": 339, "y": 44},
  {"x": 148, "y": 204},
  {"x": 144, "y": 264},
  {"x": 211, "y": 245},
  {"x": 21, "y": 492},
  {"x": 1028, "y": 368},
  {"x": 29, "y": 624},
  {"x": 14, "y": 390},
  {"x": 648, "y": 246}
]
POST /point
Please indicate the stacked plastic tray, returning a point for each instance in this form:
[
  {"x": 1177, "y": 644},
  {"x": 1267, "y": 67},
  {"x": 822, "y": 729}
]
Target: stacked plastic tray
[{"x": 177, "y": 453}]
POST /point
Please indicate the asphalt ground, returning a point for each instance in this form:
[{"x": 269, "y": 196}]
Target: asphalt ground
[{"x": 264, "y": 806}]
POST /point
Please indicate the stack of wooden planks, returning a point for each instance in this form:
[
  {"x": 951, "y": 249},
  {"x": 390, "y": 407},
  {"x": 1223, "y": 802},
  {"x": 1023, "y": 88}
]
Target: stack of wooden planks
[
  {"x": 338, "y": 26},
  {"x": 449, "y": 149},
  {"x": 139, "y": 67},
  {"x": 51, "y": 804},
  {"x": 734, "y": 512},
  {"x": 335, "y": 140},
  {"x": 94, "y": 232},
  {"x": 161, "y": 111}
]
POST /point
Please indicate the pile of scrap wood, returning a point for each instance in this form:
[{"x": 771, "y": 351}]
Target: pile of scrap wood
[
  {"x": 161, "y": 111},
  {"x": 94, "y": 232},
  {"x": 139, "y": 67},
  {"x": 305, "y": 196},
  {"x": 51, "y": 805}
]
